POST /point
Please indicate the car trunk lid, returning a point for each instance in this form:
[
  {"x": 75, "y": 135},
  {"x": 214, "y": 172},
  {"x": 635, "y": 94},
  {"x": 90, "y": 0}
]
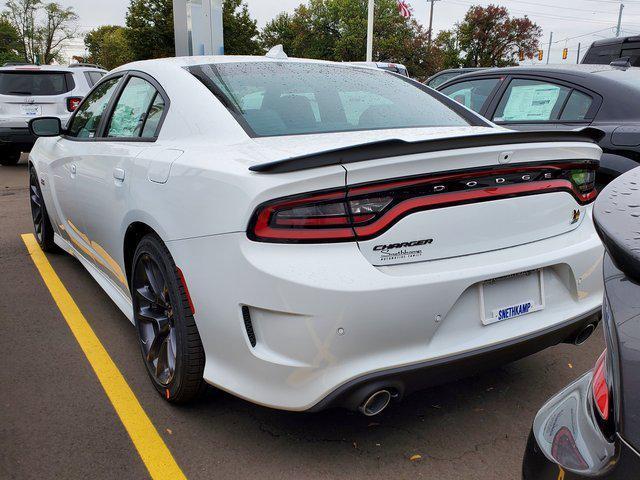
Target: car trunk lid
[{"x": 468, "y": 201}]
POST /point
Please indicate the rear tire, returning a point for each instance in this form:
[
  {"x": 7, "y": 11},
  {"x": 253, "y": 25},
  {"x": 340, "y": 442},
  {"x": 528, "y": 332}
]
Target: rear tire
[
  {"x": 169, "y": 340},
  {"x": 9, "y": 156},
  {"x": 41, "y": 224}
]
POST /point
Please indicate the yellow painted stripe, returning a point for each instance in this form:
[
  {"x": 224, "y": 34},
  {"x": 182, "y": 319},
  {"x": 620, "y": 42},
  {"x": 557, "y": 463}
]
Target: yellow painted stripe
[{"x": 152, "y": 449}]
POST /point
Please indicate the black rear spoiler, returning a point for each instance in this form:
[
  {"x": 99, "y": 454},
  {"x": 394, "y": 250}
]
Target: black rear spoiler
[
  {"x": 616, "y": 221},
  {"x": 397, "y": 147}
]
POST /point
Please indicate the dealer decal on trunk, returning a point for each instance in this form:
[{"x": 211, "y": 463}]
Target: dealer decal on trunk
[{"x": 400, "y": 251}]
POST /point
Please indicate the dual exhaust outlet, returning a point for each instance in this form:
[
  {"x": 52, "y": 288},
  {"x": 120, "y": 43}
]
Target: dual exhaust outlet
[
  {"x": 375, "y": 403},
  {"x": 379, "y": 400}
]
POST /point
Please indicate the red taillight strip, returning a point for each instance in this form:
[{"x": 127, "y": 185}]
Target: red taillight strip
[
  {"x": 454, "y": 198},
  {"x": 266, "y": 226},
  {"x": 340, "y": 220},
  {"x": 600, "y": 387}
]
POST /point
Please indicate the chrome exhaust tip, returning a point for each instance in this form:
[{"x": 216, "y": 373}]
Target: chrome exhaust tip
[
  {"x": 375, "y": 403},
  {"x": 584, "y": 334}
]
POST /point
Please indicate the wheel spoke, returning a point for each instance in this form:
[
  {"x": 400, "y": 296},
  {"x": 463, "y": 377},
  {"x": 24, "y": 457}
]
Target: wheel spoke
[
  {"x": 156, "y": 347},
  {"x": 146, "y": 293},
  {"x": 155, "y": 279},
  {"x": 159, "y": 319},
  {"x": 162, "y": 363}
]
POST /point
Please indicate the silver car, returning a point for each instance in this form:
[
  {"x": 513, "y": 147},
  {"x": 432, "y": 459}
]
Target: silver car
[{"x": 30, "y": 91}]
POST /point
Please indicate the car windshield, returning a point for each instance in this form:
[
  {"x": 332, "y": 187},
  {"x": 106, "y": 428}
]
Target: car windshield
[
  {"x": 33, "y": 83},
  {"x": 287, "y": 98}
]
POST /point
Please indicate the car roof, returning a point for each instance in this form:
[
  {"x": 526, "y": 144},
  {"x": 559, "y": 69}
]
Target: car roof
[
  {"x": 576, "y": 70},
  {"x": 615, "y": 40},
  {"x": 48, "y": 68}
]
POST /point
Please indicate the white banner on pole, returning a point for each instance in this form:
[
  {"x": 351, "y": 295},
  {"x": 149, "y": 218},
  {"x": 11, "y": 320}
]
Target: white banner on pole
[{"x": 198, "y": 27}]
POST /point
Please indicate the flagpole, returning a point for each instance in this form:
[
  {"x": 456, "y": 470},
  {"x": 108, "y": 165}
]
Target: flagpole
[{"x": 370, "y": 32}]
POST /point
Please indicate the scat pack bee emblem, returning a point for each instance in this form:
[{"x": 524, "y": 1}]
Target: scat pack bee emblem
[{"x": 575, "y": 217}]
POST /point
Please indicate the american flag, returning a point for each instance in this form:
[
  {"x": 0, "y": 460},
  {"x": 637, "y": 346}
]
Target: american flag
[{"x": 403, "y": 8}]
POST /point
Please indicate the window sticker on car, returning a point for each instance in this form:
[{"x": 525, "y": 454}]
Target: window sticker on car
[{"x": 531, "y": 102}]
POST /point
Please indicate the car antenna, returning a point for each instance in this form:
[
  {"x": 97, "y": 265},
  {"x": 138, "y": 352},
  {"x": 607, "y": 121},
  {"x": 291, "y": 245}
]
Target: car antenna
[
  {"x": 622, "y": 62},
  {"x": 277, "y": 53}
]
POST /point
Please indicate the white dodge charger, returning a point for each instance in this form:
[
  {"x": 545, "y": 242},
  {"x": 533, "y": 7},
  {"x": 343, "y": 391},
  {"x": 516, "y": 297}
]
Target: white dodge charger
[{"x": 308, "y": 234}]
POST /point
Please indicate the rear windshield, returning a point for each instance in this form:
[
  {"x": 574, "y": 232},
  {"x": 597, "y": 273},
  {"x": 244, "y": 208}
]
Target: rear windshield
[
  {"x": 35, "y": 83},
  {"x": 288, "y": 98}
]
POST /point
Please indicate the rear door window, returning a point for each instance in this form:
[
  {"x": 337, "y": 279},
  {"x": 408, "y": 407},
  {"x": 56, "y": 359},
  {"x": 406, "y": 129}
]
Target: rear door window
[
  {"x": 473, "y": 94},
  {"x": 36, "y": 83},
  {"x": 531, "y": 101},
  {"x": 134, "y": 107},
  {"x": 93, "y": 77},
  {"x": 577, "y": 107}
]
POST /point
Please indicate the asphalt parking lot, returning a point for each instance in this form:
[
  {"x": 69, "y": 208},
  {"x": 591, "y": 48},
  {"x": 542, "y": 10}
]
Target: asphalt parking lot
[{"x": 57, "y": 422}]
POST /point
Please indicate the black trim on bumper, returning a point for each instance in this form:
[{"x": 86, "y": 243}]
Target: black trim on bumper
[
  {"x": 410, "y": 378},
  {"x": 17, "y": 136}
]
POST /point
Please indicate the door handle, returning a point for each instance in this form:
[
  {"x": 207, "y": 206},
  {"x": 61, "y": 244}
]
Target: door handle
[
  {"x": 73, "y": 169},
  {"x": 118, "y": 174}
]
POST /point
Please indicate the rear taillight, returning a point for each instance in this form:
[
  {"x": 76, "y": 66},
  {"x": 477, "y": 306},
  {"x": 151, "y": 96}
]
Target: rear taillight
[
  {"x": 600, "y": 388},
  {"x": 365, "y": 211},
  {"x": 73, "y": 103}
]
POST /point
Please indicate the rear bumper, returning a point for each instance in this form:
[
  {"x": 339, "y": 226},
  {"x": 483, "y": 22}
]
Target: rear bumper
[
  {"x": 17, "y": 136},
  {"x": 324, "y": 317},
  {"x": 405, "y": 380}
]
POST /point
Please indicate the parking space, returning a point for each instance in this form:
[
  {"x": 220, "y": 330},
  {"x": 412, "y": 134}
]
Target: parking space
[{"x": 56, "y": 420}]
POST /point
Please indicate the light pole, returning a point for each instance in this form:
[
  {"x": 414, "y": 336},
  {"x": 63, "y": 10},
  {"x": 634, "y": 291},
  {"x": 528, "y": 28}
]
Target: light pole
[
  {"x": 619, "y": 20},
  {"x": 370, "y": 32},
  {"x": 430, "y": 23}
]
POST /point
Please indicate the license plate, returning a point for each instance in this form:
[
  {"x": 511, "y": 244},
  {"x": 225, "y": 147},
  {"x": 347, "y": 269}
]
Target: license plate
[
  {"x": 31, "y": 110},
  {"x": 511, "y": 296}
]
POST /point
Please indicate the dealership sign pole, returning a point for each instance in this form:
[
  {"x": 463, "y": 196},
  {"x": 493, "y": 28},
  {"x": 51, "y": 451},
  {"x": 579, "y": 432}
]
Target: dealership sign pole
[
  {"x": 198, "y": 27},
  {"x": 370, "y": 32}
]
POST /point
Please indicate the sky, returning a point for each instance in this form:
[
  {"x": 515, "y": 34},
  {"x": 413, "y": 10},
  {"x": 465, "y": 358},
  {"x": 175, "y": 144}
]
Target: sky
[{"x": 571, "y": 21}]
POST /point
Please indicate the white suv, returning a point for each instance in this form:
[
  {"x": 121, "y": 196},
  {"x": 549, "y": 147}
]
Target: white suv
[{"x": 28, "y": 91}]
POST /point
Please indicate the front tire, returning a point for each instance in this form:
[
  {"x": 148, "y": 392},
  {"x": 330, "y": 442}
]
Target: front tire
[
  {"x": 41, "y": 224},
  {"x": 169, "y": 340},
  {"x": 9, "y": 156}
]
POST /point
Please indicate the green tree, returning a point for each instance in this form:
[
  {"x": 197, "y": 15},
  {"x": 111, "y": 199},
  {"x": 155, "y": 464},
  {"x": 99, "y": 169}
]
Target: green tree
[
  {"x": 447, "y": 48},
  {"x": 489, "y": 37},
  {"x": 42, "y": 28},
  {"x": 337, "y": 30},
  {"x": 108, "y": 46},
  {"x": 240, "y": 30},
  {"x": 10, "y": 44},
  {"x": 150, "y": 29}
]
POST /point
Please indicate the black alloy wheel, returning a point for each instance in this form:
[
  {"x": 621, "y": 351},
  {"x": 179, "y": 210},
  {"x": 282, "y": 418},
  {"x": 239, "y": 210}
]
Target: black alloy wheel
[
  {"x": 169, "y": 339},
  {"x": 41, "y": 225}
]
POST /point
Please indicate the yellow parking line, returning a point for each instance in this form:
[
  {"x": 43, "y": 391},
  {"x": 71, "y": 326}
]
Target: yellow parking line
[{"x": 152, "y": 449}]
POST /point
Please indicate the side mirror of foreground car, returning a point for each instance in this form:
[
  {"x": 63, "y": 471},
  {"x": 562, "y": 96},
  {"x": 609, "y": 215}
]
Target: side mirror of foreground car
[{"x": 45, "y": 127}]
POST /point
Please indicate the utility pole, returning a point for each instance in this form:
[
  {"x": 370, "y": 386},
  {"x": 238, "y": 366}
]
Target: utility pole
[
  {"x": 549, "y": 51},
  {"x": 619, "y": 20},
  {"x": 430, "y": 26},
  {"x": 370, "y": 32},
  {"x": 578, "y": 58}
]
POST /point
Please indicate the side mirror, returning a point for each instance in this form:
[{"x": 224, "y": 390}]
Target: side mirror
[{"x": 45, "y": 127}]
